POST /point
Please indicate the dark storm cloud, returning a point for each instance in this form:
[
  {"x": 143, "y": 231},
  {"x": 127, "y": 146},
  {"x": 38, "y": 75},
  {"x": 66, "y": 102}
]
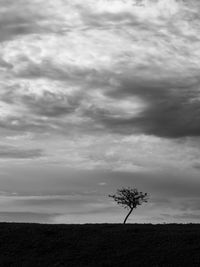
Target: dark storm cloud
[
  {"x": 9, "y": 152},
  {"x": 172, "y": 109}
]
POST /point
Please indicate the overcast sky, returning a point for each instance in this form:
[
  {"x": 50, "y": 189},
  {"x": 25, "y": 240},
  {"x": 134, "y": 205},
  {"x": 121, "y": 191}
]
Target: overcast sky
[{"x": 96, "y": 95}]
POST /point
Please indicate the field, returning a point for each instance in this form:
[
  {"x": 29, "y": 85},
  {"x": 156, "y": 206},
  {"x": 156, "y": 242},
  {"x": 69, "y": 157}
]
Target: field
[{"x": 99, "y": 245}]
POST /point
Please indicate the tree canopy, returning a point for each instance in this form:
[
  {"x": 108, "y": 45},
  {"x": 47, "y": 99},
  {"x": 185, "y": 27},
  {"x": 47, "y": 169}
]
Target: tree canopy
[{"x": 129, "y": 198}]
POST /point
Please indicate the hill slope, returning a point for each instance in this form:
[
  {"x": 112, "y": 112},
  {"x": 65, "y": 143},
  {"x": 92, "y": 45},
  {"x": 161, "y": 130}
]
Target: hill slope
[{"x": 99, "y": 245}]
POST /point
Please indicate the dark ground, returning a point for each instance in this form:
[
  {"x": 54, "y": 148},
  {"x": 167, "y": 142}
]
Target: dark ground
[{"x": 99, "y": 245}]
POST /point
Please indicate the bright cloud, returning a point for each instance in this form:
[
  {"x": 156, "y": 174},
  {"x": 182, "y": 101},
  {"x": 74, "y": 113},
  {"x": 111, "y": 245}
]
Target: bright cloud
[{"x": 100, "y": 67}]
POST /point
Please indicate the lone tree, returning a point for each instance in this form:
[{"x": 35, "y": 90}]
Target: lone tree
[{"x": 129, "y": 198}]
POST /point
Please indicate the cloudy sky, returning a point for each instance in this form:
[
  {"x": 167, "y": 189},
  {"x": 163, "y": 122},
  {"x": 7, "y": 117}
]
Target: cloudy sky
[{"x": 96, "y": 95}]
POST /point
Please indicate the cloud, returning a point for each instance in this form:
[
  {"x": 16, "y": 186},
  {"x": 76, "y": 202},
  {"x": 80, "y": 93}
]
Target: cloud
[
  {"x": 196, "y": 166},
  {"x": 188, "y": 216},
  {"x": 127, "y": 85},
  {"x": 184, "y": 217},
  {"x": 69, "y": 204},
  {"x": 26, "y": 217},
  {"x": 102, "y": 85},
  {"x": 183, "y": 204},
  {"x": 172, "y": 109},
  {"x": 13, "y": 152},
  {"x": 78, "y": 197},
  {"x": 51, "y": 104},
  {"x": 15, "y": 124},
  {"x": 18, "y": 19}
]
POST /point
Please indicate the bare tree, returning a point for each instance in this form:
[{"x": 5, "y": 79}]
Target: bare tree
[{"x": 129, "y": 198}]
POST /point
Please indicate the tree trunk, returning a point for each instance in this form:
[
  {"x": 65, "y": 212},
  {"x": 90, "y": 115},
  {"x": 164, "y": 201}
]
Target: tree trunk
[{"x": 127, "y": 216}]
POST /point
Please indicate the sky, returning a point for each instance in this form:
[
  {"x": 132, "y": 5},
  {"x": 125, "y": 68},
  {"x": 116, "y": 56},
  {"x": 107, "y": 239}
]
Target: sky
[{"x": 96, "y": 95}]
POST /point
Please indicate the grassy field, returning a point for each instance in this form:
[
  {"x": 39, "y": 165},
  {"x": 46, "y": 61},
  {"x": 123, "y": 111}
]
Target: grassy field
[{"x": 99, "y": 245}]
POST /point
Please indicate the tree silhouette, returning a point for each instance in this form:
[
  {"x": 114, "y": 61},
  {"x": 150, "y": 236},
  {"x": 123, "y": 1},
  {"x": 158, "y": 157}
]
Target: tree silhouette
[{"x": 129, "y": 198}]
